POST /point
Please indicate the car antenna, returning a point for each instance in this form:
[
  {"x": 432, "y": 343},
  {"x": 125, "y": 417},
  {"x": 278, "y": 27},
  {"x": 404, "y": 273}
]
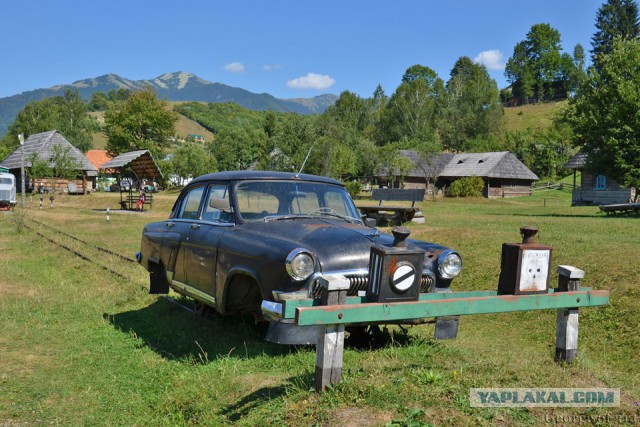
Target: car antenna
[{"x": 306, "y": 158}]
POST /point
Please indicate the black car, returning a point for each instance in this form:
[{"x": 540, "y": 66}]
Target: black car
[{"x": 234, "y": 239}]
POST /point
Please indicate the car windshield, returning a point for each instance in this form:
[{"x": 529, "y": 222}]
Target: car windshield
[{"x": 270, "y": 200}]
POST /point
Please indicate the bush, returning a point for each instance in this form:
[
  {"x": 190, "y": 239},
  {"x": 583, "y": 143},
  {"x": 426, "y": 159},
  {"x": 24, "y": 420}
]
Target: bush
[
  {"x": 354, "y": 188},
  {"x": 470, "y": 186}
]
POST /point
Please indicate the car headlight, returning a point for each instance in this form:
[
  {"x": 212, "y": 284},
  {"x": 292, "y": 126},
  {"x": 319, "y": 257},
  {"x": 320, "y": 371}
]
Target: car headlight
[
  {"x": 449, "y": 264},
  {"x": 300, "y": 264}
]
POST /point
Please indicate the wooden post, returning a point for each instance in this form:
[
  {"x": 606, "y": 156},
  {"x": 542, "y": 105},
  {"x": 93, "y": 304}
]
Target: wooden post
[
  {"x": 567, "y": 320},
  {"x": 331, "y": 337},
  {"x": 446, "y": 327}
]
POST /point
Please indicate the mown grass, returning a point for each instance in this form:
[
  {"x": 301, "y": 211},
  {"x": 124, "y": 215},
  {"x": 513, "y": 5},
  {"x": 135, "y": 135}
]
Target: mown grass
[
  {"x": 82, "y": 347},
  {"x": 537, "y": 116}
]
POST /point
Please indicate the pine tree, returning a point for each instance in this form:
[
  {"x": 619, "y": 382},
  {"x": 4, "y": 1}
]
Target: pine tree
[{"x": 615, "y": 18}]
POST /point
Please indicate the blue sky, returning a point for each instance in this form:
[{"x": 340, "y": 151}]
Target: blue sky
[{"x": 286, "y": 48}]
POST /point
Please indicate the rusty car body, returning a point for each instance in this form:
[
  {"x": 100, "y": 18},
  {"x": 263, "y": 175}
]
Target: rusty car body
[{"x": 234, "y": 239}]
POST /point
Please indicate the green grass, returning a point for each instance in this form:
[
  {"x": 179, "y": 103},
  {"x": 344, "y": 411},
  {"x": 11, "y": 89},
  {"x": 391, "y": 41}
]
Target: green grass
[
  {"x": 537, "y": 116},
  {"x": 80, "y": 346}
]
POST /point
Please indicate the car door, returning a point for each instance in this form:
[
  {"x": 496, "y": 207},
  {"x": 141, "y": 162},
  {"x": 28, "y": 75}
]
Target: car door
[
  {"x": 178, "y": 228},
  {"x": 201, "y": 249}
]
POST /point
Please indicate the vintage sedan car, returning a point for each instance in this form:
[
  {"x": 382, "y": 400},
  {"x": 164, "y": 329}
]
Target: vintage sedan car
[{"x": 234, "y": 239}]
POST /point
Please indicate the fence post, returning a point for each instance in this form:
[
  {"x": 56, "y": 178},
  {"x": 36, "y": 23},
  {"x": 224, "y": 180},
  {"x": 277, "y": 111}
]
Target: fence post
[
  {"x": 331, "y": 337},
  {"x": 567, "y": 319}
]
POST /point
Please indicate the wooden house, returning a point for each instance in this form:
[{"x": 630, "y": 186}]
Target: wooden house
[
  {"x": 43, "y": 145},
  {"x": 595, "y": 188},
  {"x": 504, "y": 175}
]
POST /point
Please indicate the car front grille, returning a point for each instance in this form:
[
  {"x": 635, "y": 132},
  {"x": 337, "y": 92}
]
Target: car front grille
[
  {"x": 358, "y": 282},
  {"x": 5, "y": 195}
]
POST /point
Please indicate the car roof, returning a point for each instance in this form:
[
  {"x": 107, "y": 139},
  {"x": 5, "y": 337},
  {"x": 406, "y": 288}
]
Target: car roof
[{"x": 263, "y": 175}]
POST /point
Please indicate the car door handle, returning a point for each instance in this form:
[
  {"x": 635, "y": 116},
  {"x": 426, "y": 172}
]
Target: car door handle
[
  {"x": 169, "y": 224},
  {"x": 195, "y": 226}
]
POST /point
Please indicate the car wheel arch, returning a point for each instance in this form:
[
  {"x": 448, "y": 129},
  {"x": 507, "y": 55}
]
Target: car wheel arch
[{"x": 238, "y": 277}]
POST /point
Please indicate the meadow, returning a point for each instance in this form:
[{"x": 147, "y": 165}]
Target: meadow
[{"x": 83, "y": 343}]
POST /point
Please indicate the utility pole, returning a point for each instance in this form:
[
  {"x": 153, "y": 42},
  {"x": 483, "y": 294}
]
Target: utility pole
[{"x": 21, "y": 139}]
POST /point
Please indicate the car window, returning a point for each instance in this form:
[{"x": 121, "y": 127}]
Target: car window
[
  {"x": 336, "y": 202},
  {"x": 259, "y": 199},
  {"x": 304, "y": 202},
  {"x": 217, "y": 208},
  {"x": 190, "y": 204},
  {"x": 255, "y": 203}
]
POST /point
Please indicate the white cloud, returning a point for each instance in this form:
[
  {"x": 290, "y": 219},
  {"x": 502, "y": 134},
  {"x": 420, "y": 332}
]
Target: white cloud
[
  {"x": 234, "y": 67},
  {"x": 312, "y": 81},
  {"x": 492, "y": 59},
  {"x": 272, "y": 67}
]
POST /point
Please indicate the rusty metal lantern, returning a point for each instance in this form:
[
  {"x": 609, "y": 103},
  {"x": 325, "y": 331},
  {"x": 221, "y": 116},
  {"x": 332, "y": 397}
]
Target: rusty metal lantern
[
  {"x": 395, "y": 272},
  {"x": 525, "y": 266}
]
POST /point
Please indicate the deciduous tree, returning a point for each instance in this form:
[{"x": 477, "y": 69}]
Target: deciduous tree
[
  {"x": 142, "y": 122},
  {"x": 605, "y": 117}
]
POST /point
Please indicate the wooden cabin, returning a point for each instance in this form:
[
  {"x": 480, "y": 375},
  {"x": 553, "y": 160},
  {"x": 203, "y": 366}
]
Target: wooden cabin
[
  {"x": 504, "y": 175},
  {"x": 595, "y": 188}
]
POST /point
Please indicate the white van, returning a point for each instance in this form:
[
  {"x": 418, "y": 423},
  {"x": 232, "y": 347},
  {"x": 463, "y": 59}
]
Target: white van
[{"x": 7, "y": 190}]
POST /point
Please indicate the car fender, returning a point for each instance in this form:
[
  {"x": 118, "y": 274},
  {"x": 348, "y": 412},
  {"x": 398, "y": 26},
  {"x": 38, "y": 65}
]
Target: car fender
[{"x": 221, "y": 291}]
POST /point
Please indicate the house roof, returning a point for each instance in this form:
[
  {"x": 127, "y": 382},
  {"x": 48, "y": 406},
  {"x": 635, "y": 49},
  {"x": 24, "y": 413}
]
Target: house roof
[
  {"x": 579, "y": 161},
  {"x": 500, "y": 164},
  {"x": 426, "y": 166},
  {"x": 97, "y": 157},
  {"x": 43, "y": 145},
  {"x": 140, "y": 162}
]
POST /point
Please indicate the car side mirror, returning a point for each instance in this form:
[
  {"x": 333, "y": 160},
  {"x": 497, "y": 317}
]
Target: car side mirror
[
  {"x": 222, "y": 204},
  {"x": 370, "y": 222}
]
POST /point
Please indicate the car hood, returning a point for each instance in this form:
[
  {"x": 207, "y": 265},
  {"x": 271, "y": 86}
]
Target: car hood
[{"x": 339, "y": 245}]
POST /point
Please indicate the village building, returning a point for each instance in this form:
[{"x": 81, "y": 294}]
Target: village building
[
  {"x": 43, "y": 145},
  {"x": 504, "y": 175},
  {"x": 595, "y": 188}
]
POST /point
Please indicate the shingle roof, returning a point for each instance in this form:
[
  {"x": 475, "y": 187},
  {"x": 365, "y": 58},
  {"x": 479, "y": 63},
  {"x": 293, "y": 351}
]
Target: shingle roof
[
  {"x": 501, "y": 164},
  {"x": 431, "y": 166},
  {"x": 579, "y": 161},
  {"x": 141, "y": 163},
  {"x": 43, "y": 144}
]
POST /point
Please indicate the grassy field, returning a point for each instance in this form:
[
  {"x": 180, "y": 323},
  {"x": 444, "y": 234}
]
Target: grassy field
[
  {"x": 534, "y": 116},
  {"x": 81, "y": 345}
]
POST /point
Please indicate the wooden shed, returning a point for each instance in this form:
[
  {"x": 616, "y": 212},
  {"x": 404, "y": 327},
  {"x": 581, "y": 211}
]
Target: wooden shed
[
  {"x": 43, "y": 145},
  {"x": 138, "y": 165},
  {"x": 595, "y": 188}
]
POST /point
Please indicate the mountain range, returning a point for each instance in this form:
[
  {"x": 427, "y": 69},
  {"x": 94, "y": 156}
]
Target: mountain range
[{"x": 178, "y": 86}]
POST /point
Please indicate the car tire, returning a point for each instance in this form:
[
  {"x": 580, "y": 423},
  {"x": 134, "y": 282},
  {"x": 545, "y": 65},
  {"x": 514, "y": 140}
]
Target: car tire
[{"x": 243, "y": 296}]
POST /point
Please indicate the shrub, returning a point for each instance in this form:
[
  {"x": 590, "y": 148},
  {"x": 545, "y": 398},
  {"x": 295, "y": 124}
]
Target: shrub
[
  {"x": 470, "y": 186},
  {"x": 354, "y": 188}
]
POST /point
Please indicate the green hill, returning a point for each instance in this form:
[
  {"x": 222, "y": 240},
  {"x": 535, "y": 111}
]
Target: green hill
[{"x": 533, "y": 116}]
